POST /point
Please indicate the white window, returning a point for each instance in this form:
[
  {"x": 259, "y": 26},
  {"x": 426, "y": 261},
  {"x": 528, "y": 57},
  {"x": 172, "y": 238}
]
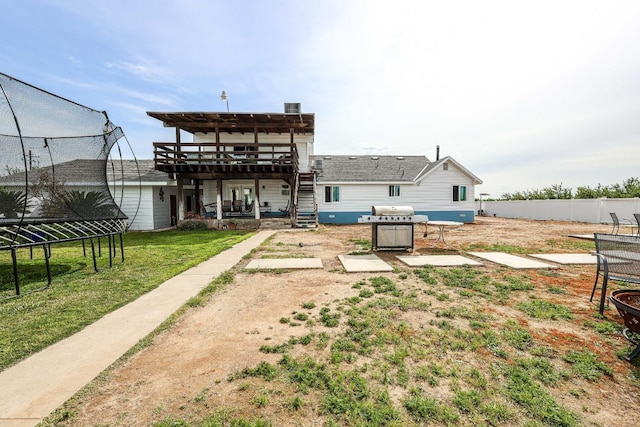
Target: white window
[
  {"x": 331, "y": 194},
  {"x": 445, "y": 166},
  {"x": 459, "y": 193},
  {"x": 394, "y": 191},
  {"x": 285, "y": 190}
]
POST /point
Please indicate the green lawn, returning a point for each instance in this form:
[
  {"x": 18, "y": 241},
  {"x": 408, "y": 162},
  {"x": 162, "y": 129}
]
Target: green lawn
[{"x": 78, "y": 295}]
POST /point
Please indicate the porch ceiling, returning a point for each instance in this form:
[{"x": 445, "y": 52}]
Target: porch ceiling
[{"x": 194, "y": 122}]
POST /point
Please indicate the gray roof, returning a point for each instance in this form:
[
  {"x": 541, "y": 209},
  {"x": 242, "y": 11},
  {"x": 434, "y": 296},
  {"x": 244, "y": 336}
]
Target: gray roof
[
  {"x": 91, "y": 172},
  {"x": 366, "y": 168}
]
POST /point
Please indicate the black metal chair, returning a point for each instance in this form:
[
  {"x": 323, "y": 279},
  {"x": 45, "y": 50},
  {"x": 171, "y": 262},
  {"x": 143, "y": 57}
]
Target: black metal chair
[
  {"x": 637, "y": 217},
  {"x": 616, "y": 223}
]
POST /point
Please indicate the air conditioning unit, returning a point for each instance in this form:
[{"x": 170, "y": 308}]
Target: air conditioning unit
[{"x": 292, "y": 107}]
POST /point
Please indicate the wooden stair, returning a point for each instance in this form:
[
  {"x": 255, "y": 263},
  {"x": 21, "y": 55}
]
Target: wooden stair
[{"x": 306, "y": 205}]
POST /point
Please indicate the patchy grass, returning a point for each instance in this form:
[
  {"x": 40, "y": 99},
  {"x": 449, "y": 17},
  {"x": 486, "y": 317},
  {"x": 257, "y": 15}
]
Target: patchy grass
[{"x": 428, "y": 346}]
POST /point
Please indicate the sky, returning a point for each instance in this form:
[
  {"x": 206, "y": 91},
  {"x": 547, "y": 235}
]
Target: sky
[{"x": 524, "y": 94}]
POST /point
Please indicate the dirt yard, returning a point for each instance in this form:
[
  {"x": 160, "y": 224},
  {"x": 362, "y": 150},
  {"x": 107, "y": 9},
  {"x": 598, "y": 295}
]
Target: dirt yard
[{"x": 185, "y": 373}]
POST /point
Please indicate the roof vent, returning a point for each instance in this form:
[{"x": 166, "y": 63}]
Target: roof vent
[
  {"x": 292, "y": 107},
  {"x": 327, "y": 157},
  {"x": 317, "y": 164},
  {"x": 400, "y": 158},
  {"x": 374, "y": 157},
  {"x": 352, "y": 157}
]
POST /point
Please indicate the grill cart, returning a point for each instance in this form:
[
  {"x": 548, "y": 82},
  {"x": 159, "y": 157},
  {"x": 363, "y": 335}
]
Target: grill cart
[{"x": 392, "y": 227}]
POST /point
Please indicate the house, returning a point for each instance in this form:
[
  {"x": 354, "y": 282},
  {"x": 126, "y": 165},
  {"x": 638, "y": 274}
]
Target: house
[
  {"x": 246, "y": 166},
  {"x": 257, "y": 166},
  {"x": 348, "y": 186}
]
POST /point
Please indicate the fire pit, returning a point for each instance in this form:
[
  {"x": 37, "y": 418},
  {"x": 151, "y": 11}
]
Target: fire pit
[{"x": 627, "y": 301}]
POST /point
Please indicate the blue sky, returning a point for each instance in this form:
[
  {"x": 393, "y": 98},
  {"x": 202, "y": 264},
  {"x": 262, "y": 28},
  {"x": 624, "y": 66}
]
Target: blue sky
[{"x": 525, "y": 94}]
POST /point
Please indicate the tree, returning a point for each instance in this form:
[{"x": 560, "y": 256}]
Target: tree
[{"x": 12, "y": 203}]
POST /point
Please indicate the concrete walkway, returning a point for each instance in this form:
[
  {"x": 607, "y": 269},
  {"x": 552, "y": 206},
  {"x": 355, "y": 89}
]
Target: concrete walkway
[{"x": 35, "y": 387}]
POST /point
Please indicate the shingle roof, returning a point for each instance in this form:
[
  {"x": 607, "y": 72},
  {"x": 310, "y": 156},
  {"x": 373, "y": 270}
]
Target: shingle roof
[
  {"x": 91, "y": 172},
  {"x": 369, "y": 168}
]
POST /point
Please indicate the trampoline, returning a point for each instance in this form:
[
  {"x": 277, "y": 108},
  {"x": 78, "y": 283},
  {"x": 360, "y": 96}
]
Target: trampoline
[{"x": 57, "y": 176}]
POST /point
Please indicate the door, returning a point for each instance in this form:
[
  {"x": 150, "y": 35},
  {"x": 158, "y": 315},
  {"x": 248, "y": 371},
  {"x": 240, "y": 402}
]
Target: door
[{"x": 173, "y": 200}]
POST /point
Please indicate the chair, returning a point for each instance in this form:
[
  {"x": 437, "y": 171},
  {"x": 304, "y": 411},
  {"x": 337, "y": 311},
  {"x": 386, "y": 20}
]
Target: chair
[
  {"x": 637, "y": 217},
  {"x": 616, "y": 223},
  {"x": 286, "y": 210},
  {"x": 209, "y": 210},
  {"x": 237, "y": 205},
  {"x": 226, "y": 206}
]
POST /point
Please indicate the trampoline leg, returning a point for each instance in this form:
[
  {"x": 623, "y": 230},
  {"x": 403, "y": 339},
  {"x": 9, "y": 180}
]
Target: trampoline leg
[
  {"x": 84, "y": 249},
  {"x": 47, "y": 255},
  {"x": 15, "y": 270},
  {"x": 93, "y": 253},
  {"x": 121, "y": 249},
  {"x": 110, "y": 252}
]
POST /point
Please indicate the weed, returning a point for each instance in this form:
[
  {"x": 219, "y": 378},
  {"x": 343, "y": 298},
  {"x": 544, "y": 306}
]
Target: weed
[
  {"x": 587, "y": 365},
  {"x": 424, "y": 409},
  {"x": 330, "y": 320},
  {"x": 263, "y": 370},
  {"x": 308, "y": 305},
  {"x": 295, "y": 404},
  {"x": 382, "y": 285},
  {"x": 535, "y": 400},
  {"x": 605, "y": 328},
  {"x": 301, "y": 317},
  {"x": 282, "y": 348},
  {"x": 467, "y": 401},
  {"x": 365, "y": 293},
  {"x": 545, "y": 310},
  {"x": 541, "y": 370},
  {"x": 261, "y": 400},
  {"x": 557, "y": 291},
  {"x": 517, "y": 336}
]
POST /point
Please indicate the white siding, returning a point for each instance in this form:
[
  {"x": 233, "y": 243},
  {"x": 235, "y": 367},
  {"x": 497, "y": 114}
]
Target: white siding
[
  {"x": 434, "y": 193},
  {"x": 151, "y": 213}
]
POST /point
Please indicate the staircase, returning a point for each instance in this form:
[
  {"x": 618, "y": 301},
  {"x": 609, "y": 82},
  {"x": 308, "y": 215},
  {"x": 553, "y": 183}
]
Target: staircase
[{"x": 306, "y": 214}]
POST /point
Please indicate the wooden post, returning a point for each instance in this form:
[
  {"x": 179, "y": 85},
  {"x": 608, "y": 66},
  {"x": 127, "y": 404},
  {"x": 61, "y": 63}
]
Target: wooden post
[
  {"x": 180, "y": 198},
  {"x": 197, "y": 182},
  {"x": 218, "y": 199},
  {"x": 256, "y": 201}
]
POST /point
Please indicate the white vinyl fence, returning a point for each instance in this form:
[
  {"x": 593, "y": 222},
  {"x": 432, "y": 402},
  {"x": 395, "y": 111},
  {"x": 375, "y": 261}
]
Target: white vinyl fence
[{"x": 578, "y": 210}]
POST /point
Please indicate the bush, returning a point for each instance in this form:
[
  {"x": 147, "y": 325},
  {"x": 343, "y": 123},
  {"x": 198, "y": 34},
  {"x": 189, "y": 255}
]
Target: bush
[{"x": 192, "y": 226}]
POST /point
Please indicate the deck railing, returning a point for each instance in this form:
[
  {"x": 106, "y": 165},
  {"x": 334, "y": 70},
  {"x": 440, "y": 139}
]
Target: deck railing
[{"x": 167, "y": 154}]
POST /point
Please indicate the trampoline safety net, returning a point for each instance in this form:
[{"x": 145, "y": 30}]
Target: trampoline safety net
[{"x": 55, "y": 169}]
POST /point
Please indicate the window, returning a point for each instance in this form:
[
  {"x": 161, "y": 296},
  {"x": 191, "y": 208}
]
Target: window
[
  {"x": 331, "y": 194},
  {"x": 459, "y": 193},
  {"x": 394, "y": 191},
  {"x": 445, "y": 166},
  {"x": 285, "y": 190}
]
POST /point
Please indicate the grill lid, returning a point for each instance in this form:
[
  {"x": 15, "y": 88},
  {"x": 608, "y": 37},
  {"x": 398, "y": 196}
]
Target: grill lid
[{"x": 391, "y": 210}]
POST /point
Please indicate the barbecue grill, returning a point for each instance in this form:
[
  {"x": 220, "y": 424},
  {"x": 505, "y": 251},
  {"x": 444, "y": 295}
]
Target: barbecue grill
[{"x": 392, "y": 227}]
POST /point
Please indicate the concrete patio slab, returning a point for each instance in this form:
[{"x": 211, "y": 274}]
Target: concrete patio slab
[
  {"x": 284, "y": 263},
  {"x": 512, "y": 261},
  {"x": 363, "y": 263},
  {"x": 437, "y": 260},
  {"x": 567, "y": 258}
]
